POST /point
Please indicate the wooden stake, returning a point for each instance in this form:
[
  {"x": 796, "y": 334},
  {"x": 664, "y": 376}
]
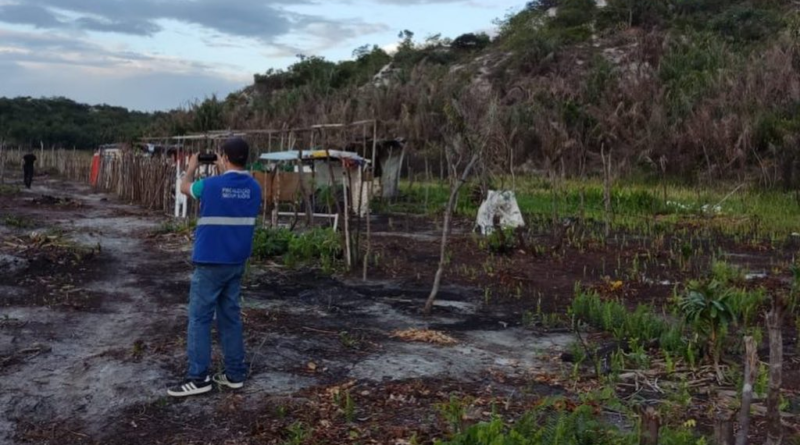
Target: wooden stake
[
  {"x": 348, "y": 253},
  {"x": 775, "y": 324},
  {"x": 750, "y": 370},
  {"x": 369, "y": 199},
  {"x": 723, "y": 427}
]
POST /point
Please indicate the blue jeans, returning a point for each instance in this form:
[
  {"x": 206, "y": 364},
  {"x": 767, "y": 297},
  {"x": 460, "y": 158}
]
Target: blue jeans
[{"x": 215, "y": 289}]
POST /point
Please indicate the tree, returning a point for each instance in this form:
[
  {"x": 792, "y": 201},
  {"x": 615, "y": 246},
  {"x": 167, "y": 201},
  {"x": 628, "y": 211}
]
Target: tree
[
  {"x": 541, "y": 5},
  {"x": 471, "y": 42},
  {"x": 208, "y": 115},
  {"x": 471, "y": 118}
]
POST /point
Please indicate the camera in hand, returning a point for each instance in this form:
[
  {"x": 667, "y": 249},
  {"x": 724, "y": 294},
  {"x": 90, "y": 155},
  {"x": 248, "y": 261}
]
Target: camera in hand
[{"x": 207, "y": 158}]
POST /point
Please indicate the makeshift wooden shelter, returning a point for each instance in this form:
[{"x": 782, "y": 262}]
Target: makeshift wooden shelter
[
  {"x": 310, "y": 174},
  {"x": 300, "y": 169},
  {"x": 389, "y": 157}
]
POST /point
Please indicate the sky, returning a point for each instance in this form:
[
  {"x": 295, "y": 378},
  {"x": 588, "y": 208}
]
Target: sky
[{"x": 162, "y": 54}]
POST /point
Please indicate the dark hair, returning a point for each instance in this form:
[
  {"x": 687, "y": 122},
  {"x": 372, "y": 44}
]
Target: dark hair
[{"x": 237, "y": 151}]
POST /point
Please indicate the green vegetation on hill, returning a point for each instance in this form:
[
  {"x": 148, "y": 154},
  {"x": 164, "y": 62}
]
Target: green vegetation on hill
[
  {"x": 700, "y": 90},
  {"x": 62, "y": 122}
]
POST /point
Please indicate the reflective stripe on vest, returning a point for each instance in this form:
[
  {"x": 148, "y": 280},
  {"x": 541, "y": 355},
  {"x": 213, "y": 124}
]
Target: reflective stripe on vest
[{"x": 225, "y": 221}]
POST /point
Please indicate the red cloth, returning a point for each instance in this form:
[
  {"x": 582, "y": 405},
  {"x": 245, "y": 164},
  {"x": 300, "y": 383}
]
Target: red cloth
[{"x": 95, "y": 169}]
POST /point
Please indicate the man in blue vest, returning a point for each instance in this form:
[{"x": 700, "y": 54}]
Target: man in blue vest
[{"x": 229, "y": 205}]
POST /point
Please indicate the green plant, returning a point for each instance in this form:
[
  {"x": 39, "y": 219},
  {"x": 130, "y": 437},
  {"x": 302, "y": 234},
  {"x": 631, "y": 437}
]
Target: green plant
[
  {"x": 501, "y": 241},
  {"x": 453, "y": 412},
  {"x": 550, "y": 424},
  {"x": 726, "y": 273},
  {"x": 269, "y": 243},
  {"x": 17, "y": 222},
  {"x": 746, "y": 304},
  {"x": 318, "y": 245},
  {"x": 346, "y": 404},
  {"x": 298, "y": 433},
  {"x": 706, "y": 307},
  {"x": 745, "y": 23},
  {"x": 348, "y": 340}
]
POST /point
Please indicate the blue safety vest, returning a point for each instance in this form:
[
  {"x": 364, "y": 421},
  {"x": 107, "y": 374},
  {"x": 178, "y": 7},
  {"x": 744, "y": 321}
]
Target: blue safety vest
[{"x": 228, "y": 209}]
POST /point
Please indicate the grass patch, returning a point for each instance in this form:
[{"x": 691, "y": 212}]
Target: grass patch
[
  {"x": 636, "y": 205},
  {"x": 8, "y": 190},
  {"x": 642, "y": 325},
  {"x": 560, "y": 421},
  {"x": 18, "y": 222}
]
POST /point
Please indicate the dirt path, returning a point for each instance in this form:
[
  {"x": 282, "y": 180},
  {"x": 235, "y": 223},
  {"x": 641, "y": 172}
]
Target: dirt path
[
  {"x": 71, "y": 376},
  {"x": 87, "y": 347}
]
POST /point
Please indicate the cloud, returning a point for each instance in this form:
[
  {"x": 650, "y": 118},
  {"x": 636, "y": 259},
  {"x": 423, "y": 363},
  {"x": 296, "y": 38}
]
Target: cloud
[
  {"x": 54, "y": 64},
  {"x": 264, "y": 20},
  {"x": 28, "y": 14},
  {"x": 153, "y": 91}
]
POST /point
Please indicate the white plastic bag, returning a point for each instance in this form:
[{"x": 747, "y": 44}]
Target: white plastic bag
[{"x": 503, "y": 205}]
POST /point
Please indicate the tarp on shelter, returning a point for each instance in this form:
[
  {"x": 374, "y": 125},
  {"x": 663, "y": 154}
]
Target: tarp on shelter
[
  {"x": 502, "y": 205},
  {"x": 292, "y": 155}
]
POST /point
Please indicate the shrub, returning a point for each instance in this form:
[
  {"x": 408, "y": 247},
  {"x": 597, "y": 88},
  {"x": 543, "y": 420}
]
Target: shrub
[
  {"x": 471, "y": 42},
  {"x": 269, "y": 243},
  {"x": 321, "y": 245},
  {"x": 726, "y": 273},
  {"x": 691, "y": 69},
  {"x": 642, "y": 13},
  {"x": 298, "y": 249},
  {"x": 501, "y": 241},
  {"x": 745, "y": 23}
]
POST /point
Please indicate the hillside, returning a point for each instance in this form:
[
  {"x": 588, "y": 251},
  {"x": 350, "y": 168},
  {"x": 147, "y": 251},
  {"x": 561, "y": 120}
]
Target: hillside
[
  {"x": 698, "y": 88},
  {"x": 62, "y": 122}
]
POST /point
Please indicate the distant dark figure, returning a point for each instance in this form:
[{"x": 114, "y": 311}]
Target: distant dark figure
[{"x": 27, "y": 168}]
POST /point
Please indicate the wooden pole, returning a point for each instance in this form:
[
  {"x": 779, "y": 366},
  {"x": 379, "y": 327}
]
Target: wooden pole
[
  {"x": 607, "y": 183},
  {"x": 775, "y": 324},
  {"x": 348, "y": 253},
  {"x": 370, "y": 194},
  {"x": 723, "y": 427},
  {"x": 651, "y": 424},
  {"x": 750, "y": 370}
]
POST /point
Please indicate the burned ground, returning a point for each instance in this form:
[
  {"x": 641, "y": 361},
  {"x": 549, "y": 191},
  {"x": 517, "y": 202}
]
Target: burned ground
[
  {"x": 92, "y": 323},
  {"x": 96, "y": 337}
]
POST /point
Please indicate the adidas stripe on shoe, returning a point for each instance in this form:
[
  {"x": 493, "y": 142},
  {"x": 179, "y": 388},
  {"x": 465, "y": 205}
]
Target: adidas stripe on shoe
[
  {"x": 191, "y": 388},
  {"x": 222, "y": 380}
]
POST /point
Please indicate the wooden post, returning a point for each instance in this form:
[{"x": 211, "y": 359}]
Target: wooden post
[
  {"x": 651, "y": 424},
  {"x": 750, "y": 370},
  {"x": 723, "y": 427},
  {"x": 370, "y": 197},
  {"x": 774, "y": 324},
  {"x": 348, "y": 253},
  {"x": 607, "y": 183}
]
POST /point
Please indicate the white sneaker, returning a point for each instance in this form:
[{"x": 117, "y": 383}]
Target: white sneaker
[
  {"x": 191, "y": 388},
  {"x": 222, "y": 379}
]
